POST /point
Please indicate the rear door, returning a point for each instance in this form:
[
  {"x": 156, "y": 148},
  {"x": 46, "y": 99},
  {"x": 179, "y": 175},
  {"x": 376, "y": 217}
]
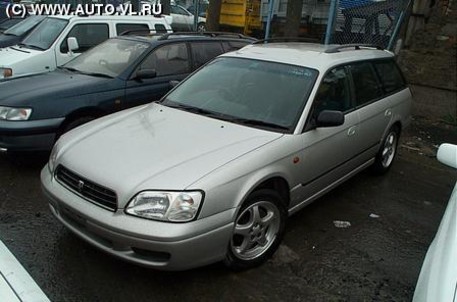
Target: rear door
[
  {"x": 373, "y": 106},
  {"x": 170, "y": 61}
]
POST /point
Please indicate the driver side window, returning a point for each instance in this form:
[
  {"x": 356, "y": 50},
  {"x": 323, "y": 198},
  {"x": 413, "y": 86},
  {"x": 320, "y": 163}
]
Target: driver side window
[
  {"x": 333, "y": 92},
  {"x": 88, "y": 35},
  {"x": 168, "y": 60}
]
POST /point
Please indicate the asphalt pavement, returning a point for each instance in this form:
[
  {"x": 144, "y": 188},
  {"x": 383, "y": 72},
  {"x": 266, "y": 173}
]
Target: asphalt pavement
[{"x": 393, "y": 219}]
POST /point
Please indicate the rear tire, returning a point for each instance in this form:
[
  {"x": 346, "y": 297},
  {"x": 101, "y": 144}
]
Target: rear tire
[
  {"x": 201, "y": 27},
  {"x": 258, "y": 230},
  {"x": 386, "y": 154}
]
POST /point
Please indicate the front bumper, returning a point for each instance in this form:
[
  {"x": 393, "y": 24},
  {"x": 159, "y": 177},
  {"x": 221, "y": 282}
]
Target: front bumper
[
  {"x": 29, "y": 135},
  {"x": 160, "y": 245}
]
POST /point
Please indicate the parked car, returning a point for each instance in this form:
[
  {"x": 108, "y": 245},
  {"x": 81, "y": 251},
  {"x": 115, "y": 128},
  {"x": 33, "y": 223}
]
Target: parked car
[
  {"x": 16, "y": 33},
  {"x": 211, "y": 172},
  {"x": 203, "y": 7},
  {"x": 438, "y": 277},
  {"x": 183, "y": 20},
  {"x": 120, "y": 73},
  {"x": 48, "y": 46},
  {"x": 3, "y": 7},
  {"x": 7, "y": 23},
  {"x": 16, "y": 285}
]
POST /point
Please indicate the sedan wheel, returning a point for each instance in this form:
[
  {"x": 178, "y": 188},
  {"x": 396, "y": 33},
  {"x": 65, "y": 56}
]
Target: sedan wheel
[
  {"x": 258, "y": 230},
  {"x": 386, "y": 154}
]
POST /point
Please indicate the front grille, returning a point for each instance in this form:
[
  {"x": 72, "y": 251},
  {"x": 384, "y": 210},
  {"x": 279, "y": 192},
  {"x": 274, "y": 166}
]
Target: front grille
[{"x": 91, "y": 191}]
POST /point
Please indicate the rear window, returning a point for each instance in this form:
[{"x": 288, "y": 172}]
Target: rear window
[
  {"x": 390, "y": 76},
  {"x": 203, "y": 52},
  {"x": 160, "y": 28},
  {"x": 234, "y": 45},
  {"x": 366, "y": 84},
  {"x": 124, "y": 27}
]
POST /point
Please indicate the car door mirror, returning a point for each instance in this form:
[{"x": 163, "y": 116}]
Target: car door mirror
[
  {"x": 146, "y": 74},
  {"x": 173, "y": 83},
  {"x": 73, "y": 45},
  {"x": 329, "y": 118}
]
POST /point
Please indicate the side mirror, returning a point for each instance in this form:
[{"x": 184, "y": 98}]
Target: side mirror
[
  {"x": 447, "y": 154},
  {"x": 146, "y": 74},
  {"x": 330, "y": 118},
  {"x": 173, "y": 83},
  {"x": 73, "y": 45}
]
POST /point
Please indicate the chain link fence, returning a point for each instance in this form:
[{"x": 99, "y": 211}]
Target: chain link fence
[{"x": 376, "y": 22}]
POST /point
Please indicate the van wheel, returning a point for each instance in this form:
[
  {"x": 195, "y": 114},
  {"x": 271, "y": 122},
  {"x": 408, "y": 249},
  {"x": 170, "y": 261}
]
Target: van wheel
[
  {"x": 388, "y": 151},
  {"x": 258, "y": 231},
  {"x": 77, "y": 122}
]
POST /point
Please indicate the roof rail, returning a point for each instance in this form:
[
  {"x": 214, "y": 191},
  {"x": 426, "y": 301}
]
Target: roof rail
[
  {"x": 288, "y": 39},
  {"x": 127, "y": 32},
  {"x": 206, "y": 33},
  {"x": 337, "y": 48}
]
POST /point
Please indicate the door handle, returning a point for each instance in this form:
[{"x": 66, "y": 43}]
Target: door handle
[
  {"x": 352, "y": 131},
  {"x": 388, "y": 113}
]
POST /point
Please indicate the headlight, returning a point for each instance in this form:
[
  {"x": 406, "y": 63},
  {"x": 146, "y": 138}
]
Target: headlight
[
  {"x": 166, "y": 206},
  {"x": 6, "y": 73},
  {"x": 15, "y": 114},
  {"x": 53, "y": 157}
]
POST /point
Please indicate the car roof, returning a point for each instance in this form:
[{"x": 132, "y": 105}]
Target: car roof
[
  {"x": 108, "y": 17},
  {"x": 164, "y": 38},
  {"x": 312, "y": 55}
]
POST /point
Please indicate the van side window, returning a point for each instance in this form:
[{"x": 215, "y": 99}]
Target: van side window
[
  {"x": 366, "y": 84},
  {"x": 168, "y": 59},
  {"x": 334, "y": 92},
  {"x": 123, "y": 27},
  {"x": 88, "y": 35},
  {"x": 160, "y": 28},
  {"x": 203, "y": 52},
  {"x": 389, "y": 73}
]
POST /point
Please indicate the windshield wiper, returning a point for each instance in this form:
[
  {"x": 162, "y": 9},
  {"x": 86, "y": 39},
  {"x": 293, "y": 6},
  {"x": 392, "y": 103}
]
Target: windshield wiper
[
  {"x": 260, "y": 123},
  {"x": 192, "y": 109},
  {"x": 31, "y": 46},
  {"x": 97, "y": 74},
  {"x": 10, "y": 34},
  {"x": 68, "y": 68}
]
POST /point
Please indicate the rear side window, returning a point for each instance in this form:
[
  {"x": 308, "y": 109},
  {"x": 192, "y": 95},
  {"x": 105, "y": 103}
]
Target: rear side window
[
  {"x": 168, "y": 60},
  {"x": 203, "y": 52},
  {"x": 124, "y": 27},
  {"x": 88, "y": 35},
  {"x": 160, "y": 28},
  {"x": 234, "y": 45},
  {"x": 390, "y": 76},
  {"x": 366, "y": 85}
]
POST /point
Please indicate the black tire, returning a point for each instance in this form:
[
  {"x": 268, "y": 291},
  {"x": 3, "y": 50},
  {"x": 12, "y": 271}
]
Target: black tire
[
  {"x": 262, "y": 237},
  {"x": 76, "y": 123},
  {"x": 387, "y": 152},
  {"x": 201, "y": 27}
]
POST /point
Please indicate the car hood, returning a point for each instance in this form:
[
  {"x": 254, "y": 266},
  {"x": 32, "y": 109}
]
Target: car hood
[
  {"x": 155, "y": 148},
  {"x": 59, "y": 84},
  {"x": 438, "y": 277},
  {"x": 14, "y": 54}
]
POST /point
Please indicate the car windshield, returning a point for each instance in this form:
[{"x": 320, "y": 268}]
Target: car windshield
[
  {"x": 44, "y": 35},
  {"x": 24, "y": 26},
  {"x": 5, "y": 24},
  {"x": 100, "y": 61},
  {"x": 251, "y": 92}
]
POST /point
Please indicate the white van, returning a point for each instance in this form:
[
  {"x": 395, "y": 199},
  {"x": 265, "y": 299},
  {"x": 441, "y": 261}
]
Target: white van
[{"x": 58, "y": 39}]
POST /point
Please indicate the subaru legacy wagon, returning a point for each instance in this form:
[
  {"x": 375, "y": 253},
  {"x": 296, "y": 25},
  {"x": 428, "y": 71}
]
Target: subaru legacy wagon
[{"x": 212, "y": 171}]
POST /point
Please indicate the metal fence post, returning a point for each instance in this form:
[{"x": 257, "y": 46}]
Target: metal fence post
[
  {"x": 331, "y": 21},
  {"x": 270, "y": 16}
]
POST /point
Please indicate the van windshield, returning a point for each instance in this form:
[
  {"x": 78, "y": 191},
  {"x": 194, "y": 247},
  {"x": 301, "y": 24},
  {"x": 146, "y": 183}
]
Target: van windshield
[
  {"x": 24, "y": 26},
  {"x": 44, "y": 35}
]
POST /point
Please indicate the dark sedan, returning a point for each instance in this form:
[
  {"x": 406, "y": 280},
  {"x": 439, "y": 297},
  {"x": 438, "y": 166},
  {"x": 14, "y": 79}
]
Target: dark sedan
[
  {"x": 15, "y": 34},
  {"x": 120, "y": 73}
]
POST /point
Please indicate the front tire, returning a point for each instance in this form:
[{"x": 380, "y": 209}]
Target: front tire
[
  {"x": 258, "y": 231},
  {"x": 386, "y": 155},
  {"x": 201, "y": 27}
]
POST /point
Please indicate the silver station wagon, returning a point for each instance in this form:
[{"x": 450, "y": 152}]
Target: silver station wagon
[{"x": 212, "y": 171}]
